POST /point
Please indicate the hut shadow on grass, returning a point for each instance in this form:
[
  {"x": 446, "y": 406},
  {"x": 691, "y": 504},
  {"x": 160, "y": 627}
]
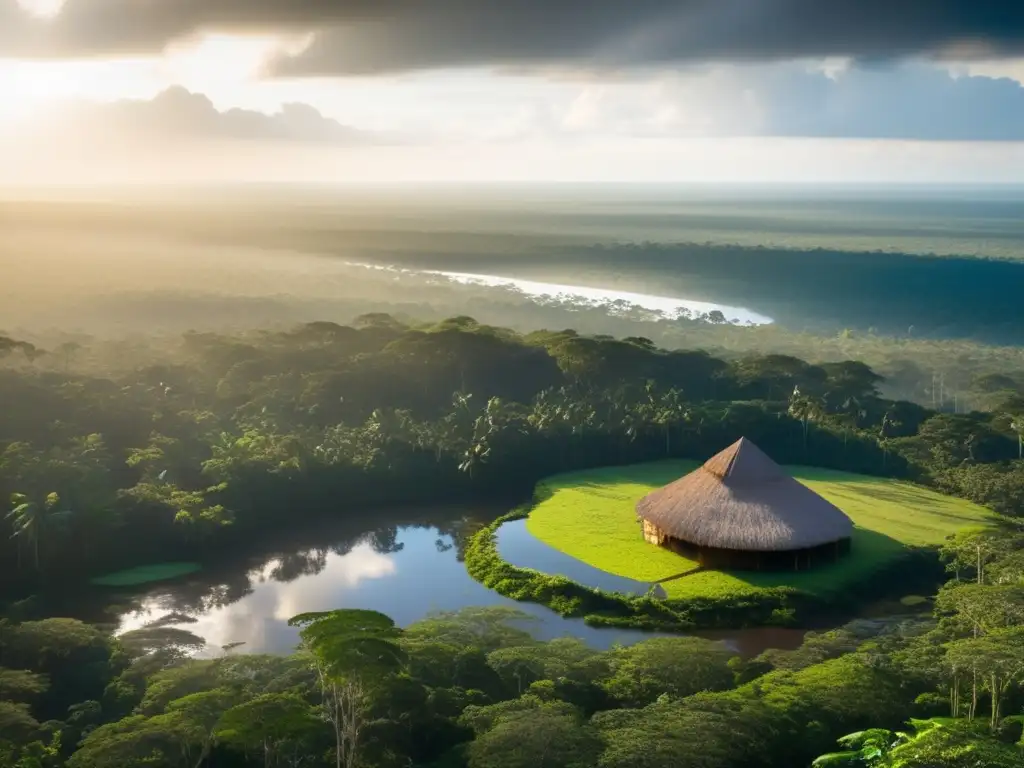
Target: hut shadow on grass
[
  {"x": 876, "y": 565},
  {"x": 871, "y": 553}
]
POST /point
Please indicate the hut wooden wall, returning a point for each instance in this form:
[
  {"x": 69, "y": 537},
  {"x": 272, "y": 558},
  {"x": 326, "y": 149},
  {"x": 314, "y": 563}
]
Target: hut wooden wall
[{"x": 653, "y": 534}]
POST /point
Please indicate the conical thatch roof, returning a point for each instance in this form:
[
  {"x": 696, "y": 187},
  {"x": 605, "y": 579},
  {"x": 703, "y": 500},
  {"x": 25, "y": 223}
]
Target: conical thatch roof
[{"x": 741, "y": 499}]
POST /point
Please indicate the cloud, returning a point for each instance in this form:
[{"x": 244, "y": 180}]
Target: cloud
[
  {"x": 371, "y": 36},
  {"x": 177, "y": 114},
  {"x": 911, "y": 101},
  {"x": 13, "y": 22}
]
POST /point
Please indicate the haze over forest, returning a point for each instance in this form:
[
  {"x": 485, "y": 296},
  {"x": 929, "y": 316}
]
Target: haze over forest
[
  {"x": 903, "y": 262},
  {"x": 512, "y": 383}
]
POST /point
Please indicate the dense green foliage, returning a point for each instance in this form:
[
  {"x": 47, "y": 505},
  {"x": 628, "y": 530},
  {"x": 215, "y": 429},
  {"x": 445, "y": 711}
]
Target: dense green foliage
[
  {"x": 474, "y": 690},
  {"x": 121, "y": 455},
  {"x": 182, "y": 449}
]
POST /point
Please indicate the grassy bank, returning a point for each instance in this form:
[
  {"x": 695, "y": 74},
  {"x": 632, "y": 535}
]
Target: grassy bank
[
  {"x": 563, "y": 595},
  {"x": 590, "y": 516}
]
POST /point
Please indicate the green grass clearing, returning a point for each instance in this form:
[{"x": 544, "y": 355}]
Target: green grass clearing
[
  {"x": 590, "y": 515},
  {"x": 145, "y": 574}
]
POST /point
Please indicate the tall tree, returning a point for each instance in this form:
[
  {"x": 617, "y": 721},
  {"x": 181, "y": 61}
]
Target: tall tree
[
  {"x": 33, "y": 522},
  {"x": 352, "y": 650}
]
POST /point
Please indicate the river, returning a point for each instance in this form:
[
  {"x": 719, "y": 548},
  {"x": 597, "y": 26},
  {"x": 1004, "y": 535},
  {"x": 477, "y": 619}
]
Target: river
[
  {"x": 407, "y": 569},
  {"x": 612, "y": 300}
]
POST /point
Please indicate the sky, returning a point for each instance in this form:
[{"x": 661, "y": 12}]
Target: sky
[{"x": 522, "y": 90}]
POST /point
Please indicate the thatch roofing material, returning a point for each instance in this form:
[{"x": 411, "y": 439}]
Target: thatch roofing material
[{"x": 741, "y": 499}]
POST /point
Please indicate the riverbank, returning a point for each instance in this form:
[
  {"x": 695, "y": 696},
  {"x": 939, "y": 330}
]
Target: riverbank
[
  {"x": 596, "y": 507},
  {"x": 918, "y": 570}
]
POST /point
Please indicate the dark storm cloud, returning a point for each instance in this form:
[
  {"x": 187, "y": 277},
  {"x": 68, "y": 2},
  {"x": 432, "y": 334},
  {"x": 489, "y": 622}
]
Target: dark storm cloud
[
  {"x": 178, "y": 114},
  {"x": 909, "y": 100},
  {"x": 369, "y": 36},
  {"x": 915, "y": 102}
]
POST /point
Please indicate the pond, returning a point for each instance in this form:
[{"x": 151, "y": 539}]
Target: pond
[
  {"x": 407, "y": 569},
  {"x": 519, "y": 547}
]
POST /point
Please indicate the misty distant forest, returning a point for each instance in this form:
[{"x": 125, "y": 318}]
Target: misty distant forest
[
  {"x": 511, "y": 384},
  {"x": 189, "y": 384},
  {"x": 937, "y": 267}
]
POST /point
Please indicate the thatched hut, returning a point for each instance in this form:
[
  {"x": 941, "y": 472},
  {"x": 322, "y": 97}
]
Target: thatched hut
[{"x": 741, "y": 510}]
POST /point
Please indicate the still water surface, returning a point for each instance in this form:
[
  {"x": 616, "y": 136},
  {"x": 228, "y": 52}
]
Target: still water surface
[
  {"x": 670, "y": 307},
  {"x": 613, "y": 300},
  {"x": 406, "y": 571}
]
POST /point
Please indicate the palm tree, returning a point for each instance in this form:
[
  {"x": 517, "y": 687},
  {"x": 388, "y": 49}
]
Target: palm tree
[
  {"x": 868, "y": 748},
  {"x": 386, "y": 425},
  {"x": 31, "y": 521},
  {"x": 474, "y": 456},
  {"x": 804, "y": 408},
  {"x": 883, "y": 435},
  {"x": 1017, "y": 425},
  {"x": 671, "y": 411},
  {"x": 479, "y": 449},
  {"x": 851, "y": 413},
  {"x": 579, "y": 417}
]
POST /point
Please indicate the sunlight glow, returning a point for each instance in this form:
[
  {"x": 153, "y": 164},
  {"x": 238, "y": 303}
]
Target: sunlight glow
[
  {"x": 42, "y": 8},
  {"x": 218, "y": 60},
  {"x": 213, "y": 64},
  {"x": 29, "y": 86}
]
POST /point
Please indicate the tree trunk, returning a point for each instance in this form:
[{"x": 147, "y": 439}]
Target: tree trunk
[
  {"x": 203, "y": 754},
  {"x": 974, "y": 695},
  {"x": 351, "y": 721},
  {"x": 995, "y": 702},
  {"x": 339, "y": 737}
]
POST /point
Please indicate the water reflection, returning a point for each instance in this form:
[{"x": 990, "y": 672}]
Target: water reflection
[
  {"x": 406, "y": 571},
  {"x": 519, "y": 547}
]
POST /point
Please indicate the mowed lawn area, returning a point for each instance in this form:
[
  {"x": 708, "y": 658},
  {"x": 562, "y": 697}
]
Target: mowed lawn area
[{"x": 590, "y": 515}]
